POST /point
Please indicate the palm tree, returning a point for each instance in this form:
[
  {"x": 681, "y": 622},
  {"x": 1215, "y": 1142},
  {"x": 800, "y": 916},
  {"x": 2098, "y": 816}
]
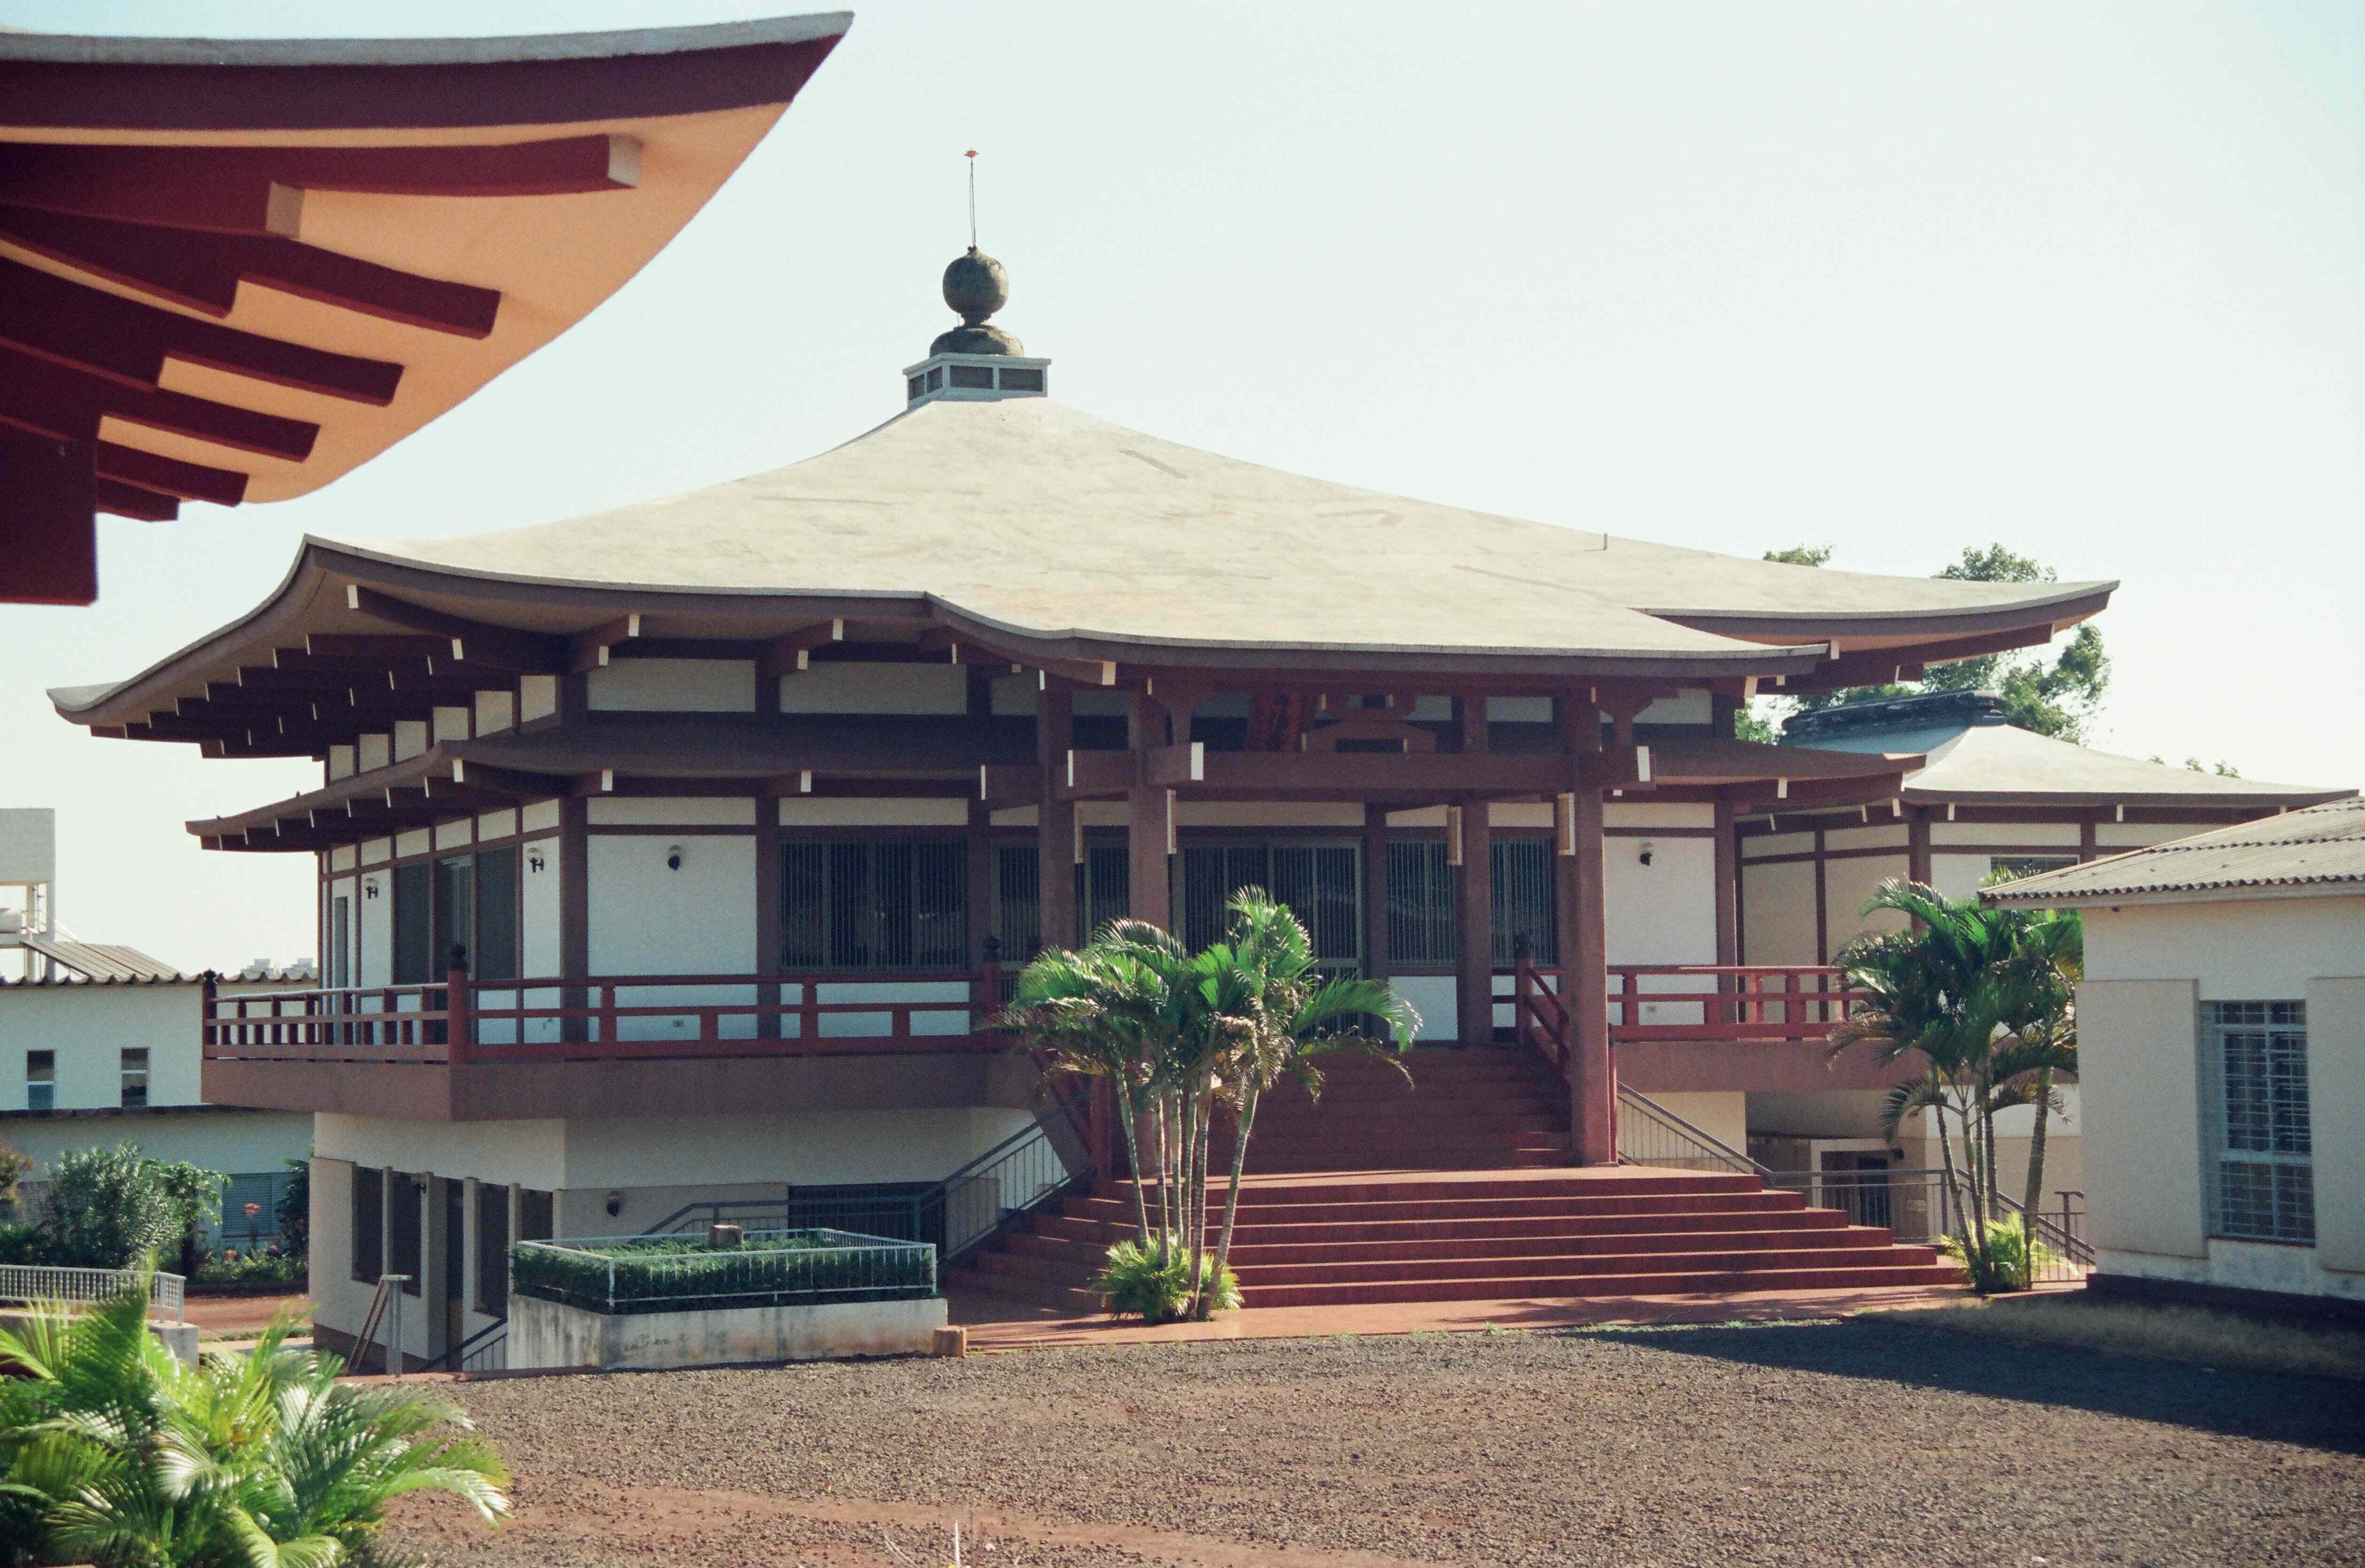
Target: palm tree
[
  {"x": 1278, "y": 1013},
  {"x": 1176, "y": 1032},
  {"x": 116, "y": 1453}
]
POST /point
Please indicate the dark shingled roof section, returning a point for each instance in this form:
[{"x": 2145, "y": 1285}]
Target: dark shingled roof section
[{"x": 2322, "y": 845}]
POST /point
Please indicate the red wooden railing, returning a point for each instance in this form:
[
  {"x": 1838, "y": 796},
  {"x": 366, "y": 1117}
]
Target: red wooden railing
[
  {"x": 1727, "y": 1001},
  {"x": 611, "y": 1017}
]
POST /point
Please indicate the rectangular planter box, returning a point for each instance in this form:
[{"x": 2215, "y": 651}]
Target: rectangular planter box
[{"x": 545, "y": 1334}]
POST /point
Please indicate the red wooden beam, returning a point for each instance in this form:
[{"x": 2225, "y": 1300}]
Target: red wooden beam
[
  {"x": 48, "y": 535},
  {"x": 201, "y": 271},
  {"x": 50, "y": 399},
  {"x": 190, "y": 481},
  {"x": 105, "y": 334},
  {"x": 259, "y": 190},
  {"x": 130, "y": 501}
]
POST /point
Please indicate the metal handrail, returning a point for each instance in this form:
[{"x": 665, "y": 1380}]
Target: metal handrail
[
  {"x": 458, "y": 1356},
  {"x": 1703, "y": 1146}
]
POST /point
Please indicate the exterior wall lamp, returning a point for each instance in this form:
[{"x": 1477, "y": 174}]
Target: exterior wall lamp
[
  {"x": 673, "y": 857},
  {"x": 1648, "y": 848},
  {"x": 369, "y": 888},
  {"x": 534, "y": 861}
]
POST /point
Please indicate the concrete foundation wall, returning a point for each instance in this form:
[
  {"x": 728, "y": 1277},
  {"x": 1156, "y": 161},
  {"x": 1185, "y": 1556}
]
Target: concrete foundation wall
[{"x": 547, "y": 1334}]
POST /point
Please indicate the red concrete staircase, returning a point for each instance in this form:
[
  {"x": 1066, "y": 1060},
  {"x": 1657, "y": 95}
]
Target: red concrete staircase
[
  {"x": 1498, "y": 1108},
  {"x": 1469, "y": 1236}
]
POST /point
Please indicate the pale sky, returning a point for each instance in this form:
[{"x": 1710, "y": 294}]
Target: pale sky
[{"x": 2084, "y": 279}]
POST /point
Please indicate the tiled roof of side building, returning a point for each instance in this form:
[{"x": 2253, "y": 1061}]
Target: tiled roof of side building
[{"x": 2318, "y": 847}]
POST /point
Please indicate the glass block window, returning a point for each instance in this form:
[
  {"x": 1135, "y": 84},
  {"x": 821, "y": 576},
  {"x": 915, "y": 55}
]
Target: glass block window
[
  {"x": 2255, "y": 1053},
  {"x": 874, "y": 903},
  {"x": 40, "y": 1080},
  {"x": 135, "y": 1078},
  {"x": 1320, "y": 882},
  {"x": 1422, "y": 901}
]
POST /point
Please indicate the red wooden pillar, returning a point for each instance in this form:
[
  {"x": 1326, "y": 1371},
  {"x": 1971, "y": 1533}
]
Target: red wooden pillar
[
  {"x": 459, "y": 1016},
  {"x": 1593, "y": 1079},
  {"x": 1055, "y": 833},
  {"x": 1727, "y": 904},
  {"x": 1149, "y": 821},
  {"x": 1473, "y": 921}
]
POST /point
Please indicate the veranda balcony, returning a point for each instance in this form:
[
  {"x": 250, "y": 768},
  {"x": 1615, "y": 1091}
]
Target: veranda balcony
[{"x": 652, "y": 1044}]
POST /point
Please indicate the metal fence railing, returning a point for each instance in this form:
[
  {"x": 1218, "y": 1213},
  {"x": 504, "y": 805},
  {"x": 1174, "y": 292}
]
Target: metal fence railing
[
  {"x": 488, "y": 1349},
  {"x": 646, "y": 1273},
  {"x": 1650, "y": 1134},
  {"x": 1919, "y": 1206},
  {"x": 32, "y": 1284}
]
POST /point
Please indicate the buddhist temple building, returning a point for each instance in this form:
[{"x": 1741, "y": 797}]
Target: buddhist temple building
[
  {"x": 234, "y": 270},
  {"x": 674, "y": 857}
]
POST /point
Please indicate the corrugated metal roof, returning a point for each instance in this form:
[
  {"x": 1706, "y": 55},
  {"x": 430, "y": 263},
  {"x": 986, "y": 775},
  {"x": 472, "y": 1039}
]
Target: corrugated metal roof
[
  {"x": 2320, "y": 846},
  {"x": 104, "y": 963}
]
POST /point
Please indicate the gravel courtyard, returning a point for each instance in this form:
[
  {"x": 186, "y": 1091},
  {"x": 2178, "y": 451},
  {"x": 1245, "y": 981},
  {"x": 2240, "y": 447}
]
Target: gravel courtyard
[{"x": 1854, "y": 1443}]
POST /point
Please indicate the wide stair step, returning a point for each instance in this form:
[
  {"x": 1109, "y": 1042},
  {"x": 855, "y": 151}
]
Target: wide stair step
[{"x": 1414, "y": 1235}]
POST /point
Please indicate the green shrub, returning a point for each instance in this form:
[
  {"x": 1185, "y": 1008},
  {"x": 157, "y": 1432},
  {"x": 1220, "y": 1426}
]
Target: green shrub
[
  {"x": 23, "y": 1244},
  {"x": 1137, "y": 1283},
  {"x": 2012, "y": 1260},
  {"x": 670, "y": 1273},
  {"x": 235, "y": 1268}
]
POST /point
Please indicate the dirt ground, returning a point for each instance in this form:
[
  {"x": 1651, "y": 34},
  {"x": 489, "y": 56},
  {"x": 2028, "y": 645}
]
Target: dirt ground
[{"x": 1859, "y": 1442}]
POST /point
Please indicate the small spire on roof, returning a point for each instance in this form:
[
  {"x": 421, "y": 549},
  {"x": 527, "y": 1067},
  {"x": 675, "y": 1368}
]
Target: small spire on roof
[{"x": 976, "y": 286}]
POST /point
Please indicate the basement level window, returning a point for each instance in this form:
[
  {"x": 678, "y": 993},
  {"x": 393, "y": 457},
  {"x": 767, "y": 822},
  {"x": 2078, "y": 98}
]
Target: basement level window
[
  {"x": 135, "y": 1078},
  {"x": 40, "y": 1080}
]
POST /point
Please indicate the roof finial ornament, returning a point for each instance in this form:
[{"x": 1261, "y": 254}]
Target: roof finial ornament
[{"x": 976, "y": 287}]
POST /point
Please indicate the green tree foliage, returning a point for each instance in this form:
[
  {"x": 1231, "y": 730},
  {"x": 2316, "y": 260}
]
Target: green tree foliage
[
  {"x": 109, "y": 1207},
  {"x": 115, "y": 1453},
  {"x": 2052, "y": 693},
  {"x": 1176, "y": 1033},
  {"x": 1983, "y": 1001}
]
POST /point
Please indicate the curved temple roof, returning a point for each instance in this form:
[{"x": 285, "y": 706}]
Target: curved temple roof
[
  {"x": 1044, "y": 533},
  {"x": 236, "y": 270}
]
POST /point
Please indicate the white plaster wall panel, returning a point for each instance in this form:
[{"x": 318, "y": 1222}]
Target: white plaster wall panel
[
  {"x": 376, "y": 851},
  {"x": 452, "y": 723},
  {"x": 1015, "y": 696},
  {"x": 1778, "y": 903},
  {"x": 410, "y": 738},
  {"x": 495, "y": 711},
  {"x": 341, "y": 762},
  {"x": 1723, "y": 1116},
  {"x": 662, "y": 810},
  {"x": 1846, "y": 885},
  {"x": 1102, "y": 814},
  {"x": 537, "y": 697},
  {"x": 521, "y": 1153},
  {"x": 418, "y": 841},
  {"x": 1664, "y": 913},
  {"x": 1434, "y": 998},
  {"x": 800, "y": 811},
  {"x": 1832, "y": 1113},
  {"x": 455, "y": 836},
  {"x": 819, "y": 1148},
  {"x": 1958, "y": 876},
  {"x": 540, "y": 815},
  {"x": 1267, "y": 813},
  {"x": 1689, "y": 707},
  {"x": 2109, "y": 835},
  {"x": 673, "y": 686},
  {"x": 88, "y": 1028},
  {"x": 2139, "y": 1059},
  {"x": 2237, "y": 949},
  {"x": 497, "y": 824},
  {"x": 376, "y": 751},
  {"x": 1017, "y": 816},
  {"x": 538, "y": 933},
  {"x": 1879, "y": 835},
  {"x": 236, "y": 1142},
  {"x": 858, "y": 688},
  {"x": 342, "y": 859},
  {"x": 2049, "y": 836},
  {"x": 1767, "y": 845},
  {"x": 373, "y": 931},
  {"x": 1430, "y": 817},
  {"x": 350, "y": 889},
  {"x": 339, "y": 1301},
  {"x": 2286, "y": 1271},
  {"x": 646, "y": 919},
  {"x": 1656, "y": 813},
  {"x": 2336, "y": 1086},
  {"x": 1519, "y": 709},
  {"x": 1516, "y": 813}
]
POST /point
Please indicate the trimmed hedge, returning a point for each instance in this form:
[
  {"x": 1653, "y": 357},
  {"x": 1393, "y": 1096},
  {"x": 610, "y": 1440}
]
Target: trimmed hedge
[{"x": 667, "y": 1274}]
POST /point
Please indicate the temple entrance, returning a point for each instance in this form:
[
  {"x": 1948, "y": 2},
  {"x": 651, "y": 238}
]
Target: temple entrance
[{"x": 1320, "y": 880}]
